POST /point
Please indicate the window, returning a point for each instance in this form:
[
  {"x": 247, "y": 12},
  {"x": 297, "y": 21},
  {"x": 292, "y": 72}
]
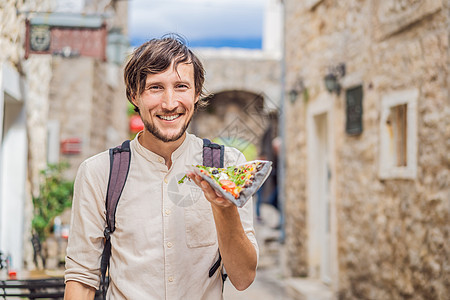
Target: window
[
  {"x": 397, "y": 126},
  {"x": 354, "y": 110},
  {"x": 398, "y": 135}
]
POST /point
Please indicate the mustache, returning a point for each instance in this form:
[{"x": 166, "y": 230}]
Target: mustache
[{"x": 173, "y": 111}]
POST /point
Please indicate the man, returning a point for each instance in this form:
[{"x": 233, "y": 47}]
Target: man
[{"x": 162, "y": 248}]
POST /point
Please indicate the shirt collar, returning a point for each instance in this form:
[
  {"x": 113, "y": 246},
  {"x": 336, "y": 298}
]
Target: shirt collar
[
  {"x": 151, "y": 156},
  {"x": 182, "y": 148}
]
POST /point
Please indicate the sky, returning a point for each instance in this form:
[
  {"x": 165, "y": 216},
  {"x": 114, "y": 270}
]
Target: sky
[{"x": 204, "y": 23}]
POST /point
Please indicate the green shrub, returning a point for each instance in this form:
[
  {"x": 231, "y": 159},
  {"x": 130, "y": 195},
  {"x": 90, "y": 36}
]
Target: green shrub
[{"x": 55, "y": 195}]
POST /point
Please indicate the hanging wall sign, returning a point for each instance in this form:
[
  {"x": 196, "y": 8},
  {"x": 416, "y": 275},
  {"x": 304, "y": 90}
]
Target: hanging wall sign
[
  {"x": 71, "y": 146},
  {"x": 57, "y": 34}
]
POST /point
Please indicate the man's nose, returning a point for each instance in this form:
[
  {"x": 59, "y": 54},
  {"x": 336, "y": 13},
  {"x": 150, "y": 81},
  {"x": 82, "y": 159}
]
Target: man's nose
[{"x": 169, "y": 101}]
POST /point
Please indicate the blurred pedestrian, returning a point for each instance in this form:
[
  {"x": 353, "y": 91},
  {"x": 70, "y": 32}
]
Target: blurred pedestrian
[
  {"x": 273, "y": 197},
  {"x": 159, "y": 250},
  {"x": 268, "y": 192}
]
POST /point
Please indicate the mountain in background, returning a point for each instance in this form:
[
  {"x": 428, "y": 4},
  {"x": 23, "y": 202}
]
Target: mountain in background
[{"x": 246, "y": 43}]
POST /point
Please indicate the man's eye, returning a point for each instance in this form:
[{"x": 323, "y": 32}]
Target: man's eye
[
  {"x": 154, "y": 87},
  {"x": 182, "y": 86}
]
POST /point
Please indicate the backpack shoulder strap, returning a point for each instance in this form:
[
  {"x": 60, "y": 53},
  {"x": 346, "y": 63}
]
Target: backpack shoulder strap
[
  {"x": 213, "y": 156},
  {"x": 119, "y": 159}
]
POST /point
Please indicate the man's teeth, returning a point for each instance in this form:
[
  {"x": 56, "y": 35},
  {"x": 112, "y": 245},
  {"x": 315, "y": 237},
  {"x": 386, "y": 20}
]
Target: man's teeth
[{"x": 169, "y": 118}]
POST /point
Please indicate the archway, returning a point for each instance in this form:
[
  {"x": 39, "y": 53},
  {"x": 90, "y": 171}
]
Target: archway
[{"x": 236, "y": 118}]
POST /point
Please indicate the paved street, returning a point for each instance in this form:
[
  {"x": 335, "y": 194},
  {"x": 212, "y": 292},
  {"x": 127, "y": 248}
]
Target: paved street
[{"x": 269, "y": 283}]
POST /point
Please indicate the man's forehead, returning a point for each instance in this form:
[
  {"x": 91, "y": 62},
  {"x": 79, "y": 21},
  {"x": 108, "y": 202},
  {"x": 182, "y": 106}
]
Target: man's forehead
[{"x": 183, "y": 71}]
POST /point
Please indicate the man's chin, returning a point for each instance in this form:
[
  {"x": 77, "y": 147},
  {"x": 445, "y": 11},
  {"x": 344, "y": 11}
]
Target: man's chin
[
  {"x": 171, "y": 138},
  {"x": 167, "y": 137}
]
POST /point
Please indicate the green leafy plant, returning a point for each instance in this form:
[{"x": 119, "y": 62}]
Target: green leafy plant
[{"x": 55, "y": 195}]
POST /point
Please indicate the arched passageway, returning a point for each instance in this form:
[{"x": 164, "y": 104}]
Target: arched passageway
[{"x": 235, "y": 118}]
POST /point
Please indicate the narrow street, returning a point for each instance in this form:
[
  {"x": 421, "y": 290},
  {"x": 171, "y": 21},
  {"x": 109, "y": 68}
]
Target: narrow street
[{"x": 269, "y": 284}]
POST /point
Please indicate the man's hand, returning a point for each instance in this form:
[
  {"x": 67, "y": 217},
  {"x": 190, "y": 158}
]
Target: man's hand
[{"x": 210, "y": 194}]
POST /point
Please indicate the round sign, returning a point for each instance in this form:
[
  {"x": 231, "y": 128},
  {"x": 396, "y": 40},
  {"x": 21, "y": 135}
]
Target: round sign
[{"x": 39, "y": 38}]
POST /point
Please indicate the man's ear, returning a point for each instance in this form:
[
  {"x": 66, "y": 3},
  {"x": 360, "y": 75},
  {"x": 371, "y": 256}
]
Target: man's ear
[
  {"x": 133, "y": 100},
  {"x": 197, "y": 98}
]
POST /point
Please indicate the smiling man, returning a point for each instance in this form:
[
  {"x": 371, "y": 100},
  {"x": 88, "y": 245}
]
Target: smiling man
[{"x": 162, "y": 248}]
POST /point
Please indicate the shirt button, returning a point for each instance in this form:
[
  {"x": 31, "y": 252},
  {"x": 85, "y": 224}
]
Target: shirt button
[
  {"x": 160, "y": 160},
  {"x": 166, "y": 180},
  {"x": 167, "y": 212},
  {"x": 169, "y": 245},
  {"x": 170, "y": 278}
]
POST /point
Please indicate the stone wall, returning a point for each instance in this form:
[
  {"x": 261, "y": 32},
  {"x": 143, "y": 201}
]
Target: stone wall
[
  {"x": 38, "y": 70},
  {"x": 89, "y": 103},
  {"x": 235, "y": 115},
  {"x": 71, "y": 104},
  {"x": 251, "y": 71},
  {"x": 244, "y": 87},
  {"x": 109, "y": 111},
  {"x": 392, "y": 234}
]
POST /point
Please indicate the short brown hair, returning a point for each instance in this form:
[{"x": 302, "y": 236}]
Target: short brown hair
[{"x": 154, "y": 57}]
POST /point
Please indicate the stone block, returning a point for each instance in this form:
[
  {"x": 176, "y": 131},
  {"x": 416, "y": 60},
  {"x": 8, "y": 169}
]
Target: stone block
[{"x": 393, "y": 16}]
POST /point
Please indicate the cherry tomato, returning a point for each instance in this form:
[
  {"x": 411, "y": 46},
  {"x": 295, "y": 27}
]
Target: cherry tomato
[{"x": 228, "y": 186}]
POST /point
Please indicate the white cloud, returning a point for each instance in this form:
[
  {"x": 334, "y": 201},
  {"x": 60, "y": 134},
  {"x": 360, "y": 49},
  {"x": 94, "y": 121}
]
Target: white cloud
[{"x": 196, "y": 18}]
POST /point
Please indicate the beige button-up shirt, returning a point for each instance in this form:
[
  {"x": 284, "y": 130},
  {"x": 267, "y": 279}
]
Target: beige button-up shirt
[{"x": 165, "y": 240}]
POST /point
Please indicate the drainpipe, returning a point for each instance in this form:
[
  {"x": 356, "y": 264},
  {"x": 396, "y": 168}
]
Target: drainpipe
[{"x": 282, "y": 129}]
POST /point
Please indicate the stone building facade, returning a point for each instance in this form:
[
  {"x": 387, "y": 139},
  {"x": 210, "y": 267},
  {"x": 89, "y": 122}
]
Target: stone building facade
[
  {"x": 88, "y": 106},
  {"x": 87, "y": 111},
  {"x": 368, "y": 167},
  {"x": 23, "y": 108},
  {"x": 46, "y": 99}
]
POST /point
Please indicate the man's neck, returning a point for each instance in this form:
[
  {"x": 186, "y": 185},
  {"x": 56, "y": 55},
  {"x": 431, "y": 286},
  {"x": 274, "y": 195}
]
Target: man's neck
[{"x": 164, "y": 149}]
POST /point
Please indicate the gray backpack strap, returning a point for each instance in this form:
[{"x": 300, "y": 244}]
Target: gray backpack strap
[
  {"x": 213, "y": 156},
  {"x": 119, "y": 166}
]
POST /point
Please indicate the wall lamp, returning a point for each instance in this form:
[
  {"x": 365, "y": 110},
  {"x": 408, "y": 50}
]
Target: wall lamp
[
  {"x": 332, "y": 78},
  {"x": 296, "y": 90}
]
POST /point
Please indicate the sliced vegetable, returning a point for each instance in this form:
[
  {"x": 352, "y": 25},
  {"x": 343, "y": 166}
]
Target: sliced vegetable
[{"x": 232, "y": 179}]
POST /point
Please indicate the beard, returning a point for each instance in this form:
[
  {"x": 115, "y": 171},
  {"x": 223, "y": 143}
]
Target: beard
[{"x": 164, "y": 138}]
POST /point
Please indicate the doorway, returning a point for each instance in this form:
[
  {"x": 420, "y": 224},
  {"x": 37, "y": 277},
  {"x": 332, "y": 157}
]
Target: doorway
[
  {"x": 13, "y": 170},
  {"x": 321, "y": 211}
]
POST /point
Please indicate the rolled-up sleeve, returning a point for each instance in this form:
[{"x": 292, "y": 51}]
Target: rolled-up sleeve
[{"x": 85, "y": 243}]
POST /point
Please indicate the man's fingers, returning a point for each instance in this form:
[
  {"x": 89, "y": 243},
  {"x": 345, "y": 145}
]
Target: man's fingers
[
  {"x": 211, "y": 194},
  {"x": 197, "y": 179}
]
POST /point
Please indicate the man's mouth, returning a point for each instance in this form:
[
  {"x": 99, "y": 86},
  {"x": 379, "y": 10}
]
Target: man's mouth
[{"x": 169, "y": 117}]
